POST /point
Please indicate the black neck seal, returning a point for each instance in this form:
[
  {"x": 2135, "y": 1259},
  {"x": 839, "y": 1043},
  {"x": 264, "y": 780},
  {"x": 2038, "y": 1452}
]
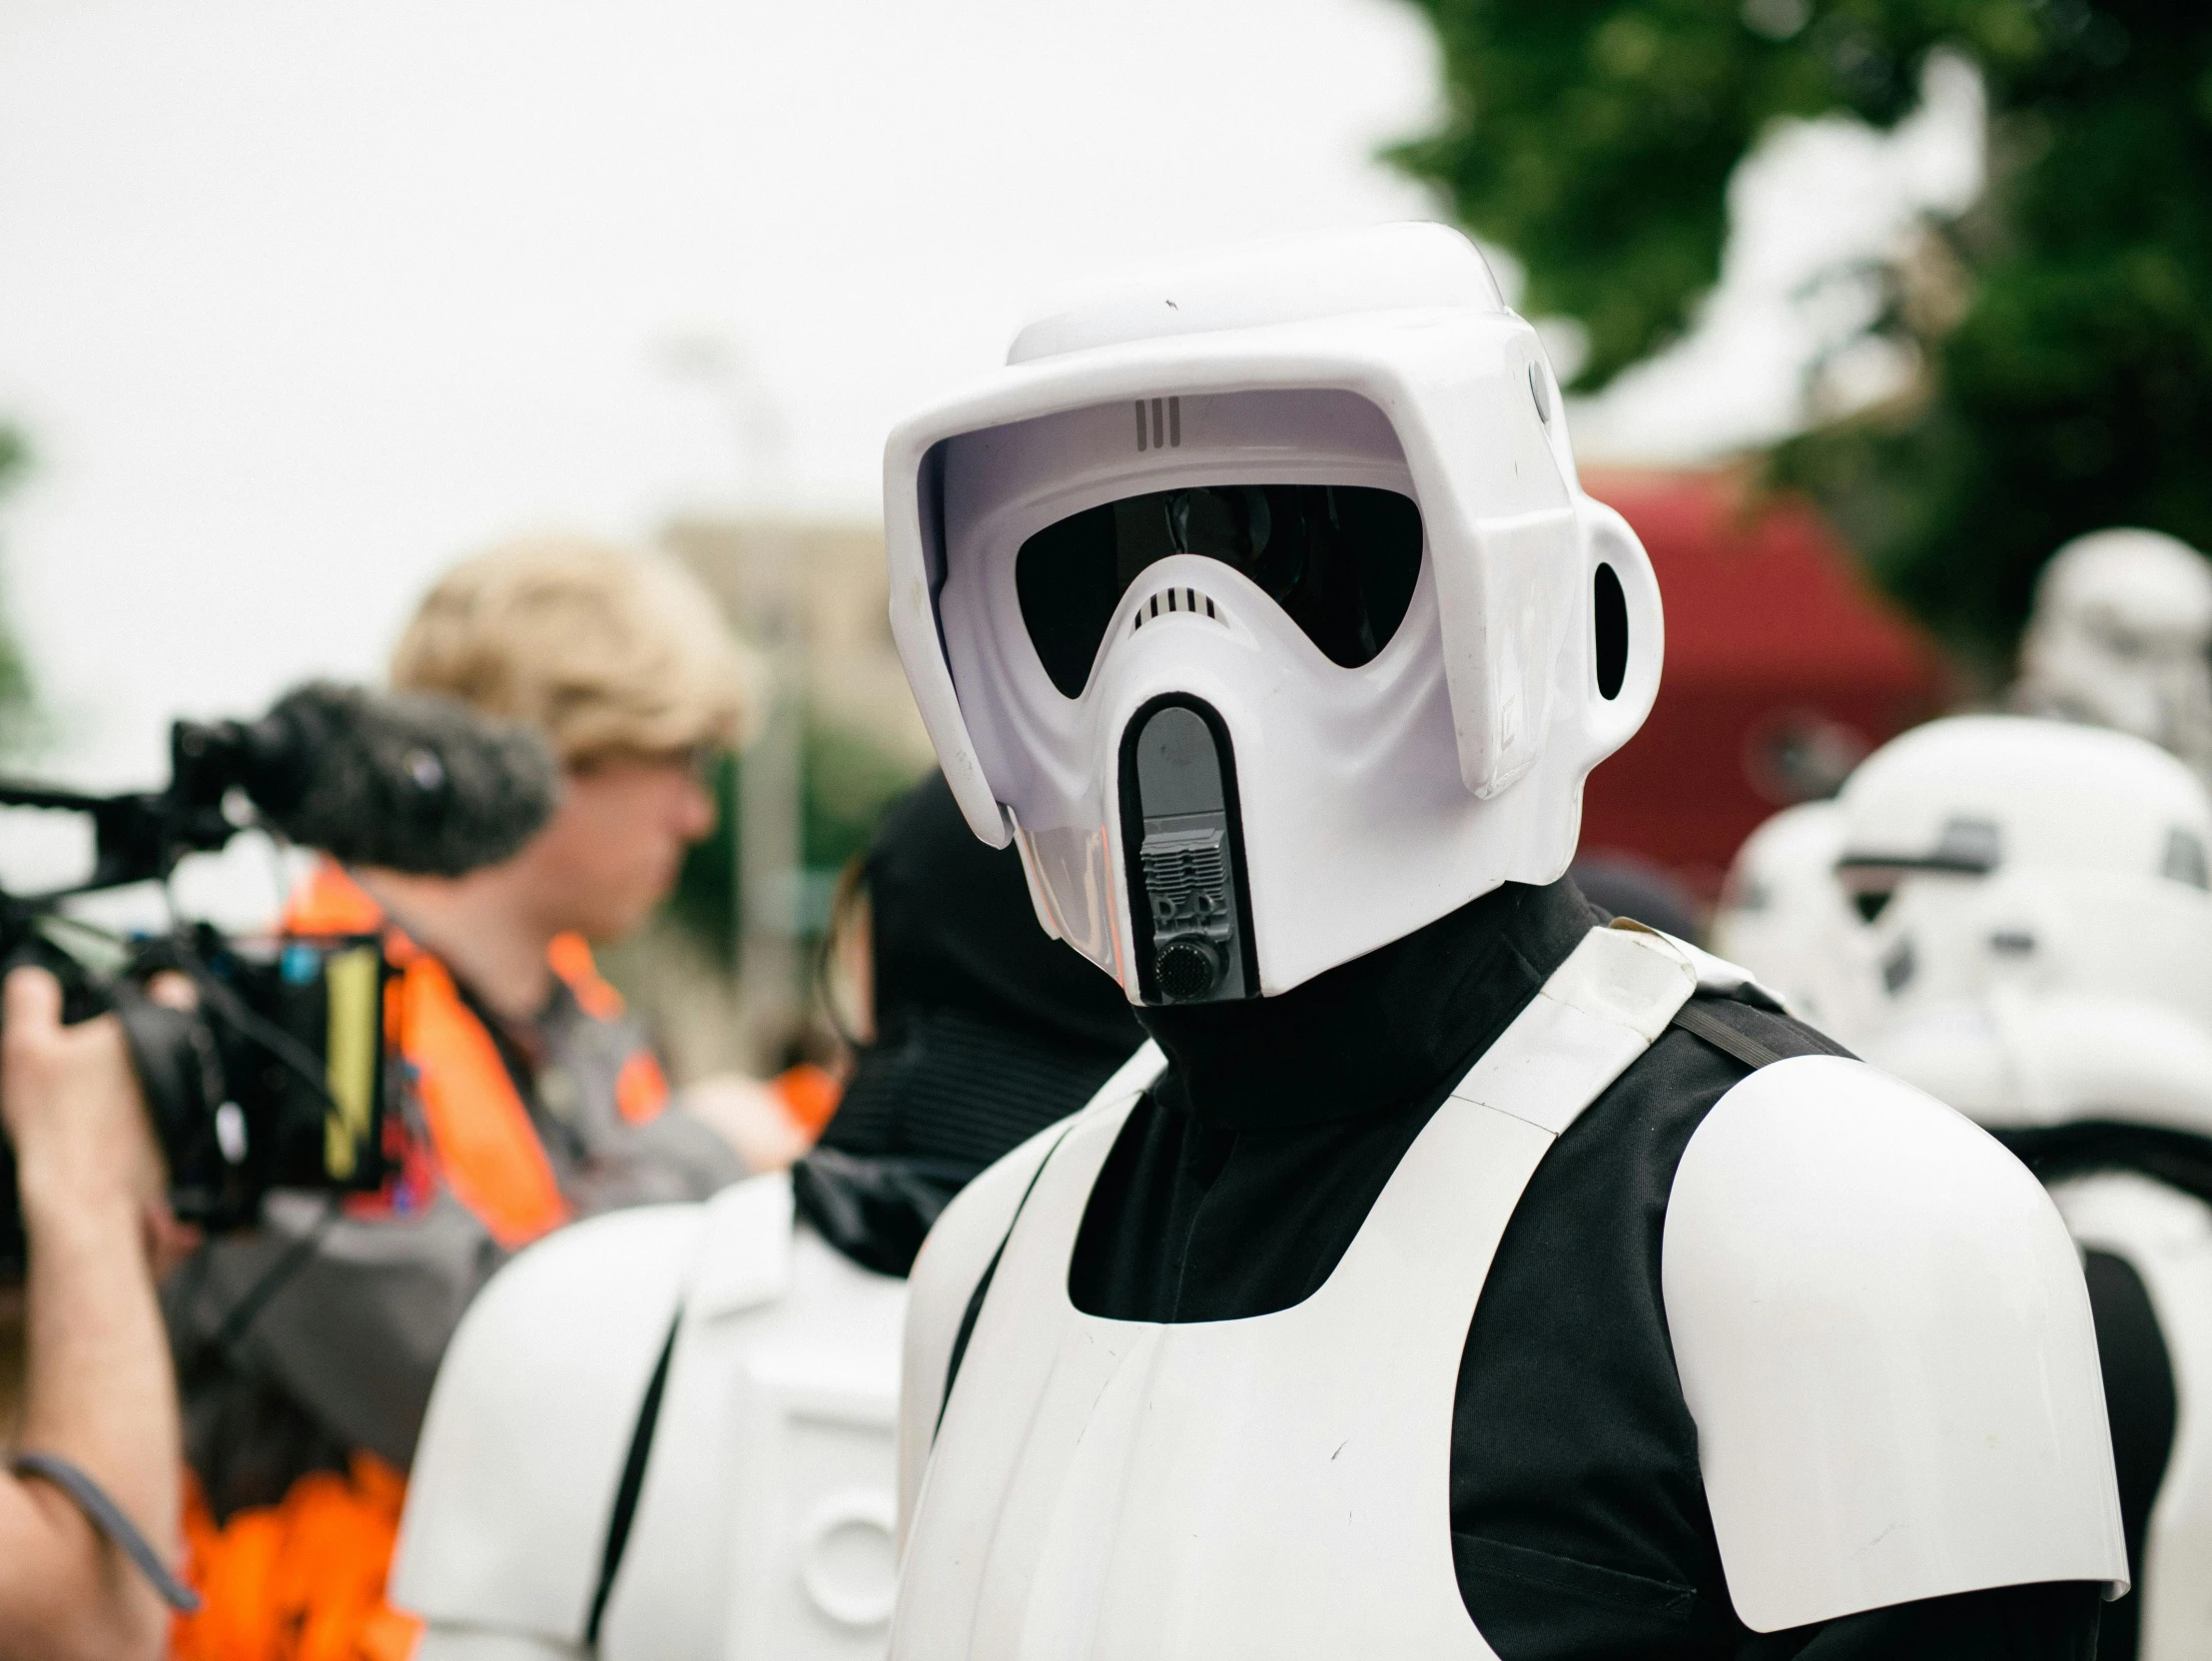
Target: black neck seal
[{"x": 1379, "y": 1033}]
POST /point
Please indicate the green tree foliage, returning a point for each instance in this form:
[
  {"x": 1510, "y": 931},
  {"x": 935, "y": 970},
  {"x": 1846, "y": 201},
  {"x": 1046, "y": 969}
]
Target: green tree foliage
[{"x": 2066, "y": 345}]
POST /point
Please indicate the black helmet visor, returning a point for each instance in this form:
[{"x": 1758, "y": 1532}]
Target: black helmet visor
[{"x": 1340, "y": 559}]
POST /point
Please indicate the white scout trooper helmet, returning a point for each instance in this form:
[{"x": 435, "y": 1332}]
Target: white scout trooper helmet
[
  {"x": 2121, "y": 636},
  {"x": 1259, "y": 602},
  {"x": 1994, "y": 850}
]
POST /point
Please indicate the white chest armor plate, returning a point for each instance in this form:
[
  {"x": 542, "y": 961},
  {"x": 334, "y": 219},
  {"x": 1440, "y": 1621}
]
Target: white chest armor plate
[{"x": 1271, "y": 1487}]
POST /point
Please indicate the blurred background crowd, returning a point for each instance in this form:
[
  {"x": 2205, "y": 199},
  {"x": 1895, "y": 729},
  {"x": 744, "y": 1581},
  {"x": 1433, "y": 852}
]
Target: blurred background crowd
[{"x": 1869, "y": 308}]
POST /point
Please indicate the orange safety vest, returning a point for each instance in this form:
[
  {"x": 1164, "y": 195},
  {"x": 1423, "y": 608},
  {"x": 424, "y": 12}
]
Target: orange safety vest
[
  {"x": 303, "y": 1580},
  {"x": 482, "y": 1142}
]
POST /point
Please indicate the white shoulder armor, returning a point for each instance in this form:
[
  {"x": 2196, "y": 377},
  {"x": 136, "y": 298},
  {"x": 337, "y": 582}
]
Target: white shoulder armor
[
  {"x": 1884, "y": 1336},
  {"x": 764, "y": 1523},
  {"x": 954, "y": 1257},
  {"x": 759, "y": 1519},
  {"x": 582, "y": 1315},
  {"x": 2165, "y": 1236}
]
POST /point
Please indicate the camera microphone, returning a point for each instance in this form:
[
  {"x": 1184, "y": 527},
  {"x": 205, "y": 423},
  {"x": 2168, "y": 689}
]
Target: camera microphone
[
  {"x": 407, "y": 781},
  {"x": 255, "y": 1090}
]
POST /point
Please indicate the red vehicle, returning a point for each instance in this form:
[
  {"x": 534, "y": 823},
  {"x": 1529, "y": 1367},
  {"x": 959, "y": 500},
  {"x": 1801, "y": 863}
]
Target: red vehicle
[{"x": 1784, "y": 667}]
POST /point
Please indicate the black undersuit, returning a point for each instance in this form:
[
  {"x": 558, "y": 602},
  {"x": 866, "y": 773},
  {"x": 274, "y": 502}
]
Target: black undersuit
[{"x": 1579, "y": 1519}]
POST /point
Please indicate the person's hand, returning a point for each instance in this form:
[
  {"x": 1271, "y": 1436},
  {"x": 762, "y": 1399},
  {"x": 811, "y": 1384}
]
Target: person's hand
[
  {"x": 83, "y": 1142},
  {"x": 750, "y": 1117}
]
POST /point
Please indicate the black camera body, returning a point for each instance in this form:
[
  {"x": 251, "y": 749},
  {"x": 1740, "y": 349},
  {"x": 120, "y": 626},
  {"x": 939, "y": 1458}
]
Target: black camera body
[
  {"x": 272, "y": 1072},
  {"x": 277, "y": 1078}
]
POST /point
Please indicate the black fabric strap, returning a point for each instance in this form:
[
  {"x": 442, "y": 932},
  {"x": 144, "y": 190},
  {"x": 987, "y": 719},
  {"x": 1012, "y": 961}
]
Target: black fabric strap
[
  {"x": 2141, "y": 1402},
  {"x": 107, "y": 1516},
  {"x": 1724, "y": 1037},
  {"x": 2179, "y": 1159},
  {"x": 627, "y": 1491}
]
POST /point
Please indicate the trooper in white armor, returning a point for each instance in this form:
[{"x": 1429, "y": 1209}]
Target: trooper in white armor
[
  {"x": 1998, "y": 850},
  {"x": 667, "y": 1434},
  {"x": 2063, "y": 1005},
  {"x": 2121, "y": 636},
  {"x": 1785, "y": 917},
  {"x": 1464, "y": 1278}
]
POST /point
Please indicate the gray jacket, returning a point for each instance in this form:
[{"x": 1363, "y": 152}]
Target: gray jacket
[{"x": 320, "y": 1332}]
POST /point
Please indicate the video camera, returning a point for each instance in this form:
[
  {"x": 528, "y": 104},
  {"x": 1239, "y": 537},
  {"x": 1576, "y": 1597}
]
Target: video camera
[{"x": 274, "y": 1076}]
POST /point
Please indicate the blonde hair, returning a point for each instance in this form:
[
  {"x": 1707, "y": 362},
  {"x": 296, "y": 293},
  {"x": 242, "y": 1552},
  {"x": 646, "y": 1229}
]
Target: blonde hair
[{"x": 604, "y": 650}]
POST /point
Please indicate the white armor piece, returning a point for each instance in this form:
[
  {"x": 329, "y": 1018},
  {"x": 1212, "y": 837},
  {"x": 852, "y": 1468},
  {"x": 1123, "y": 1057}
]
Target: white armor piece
[
  {"x": 763, "y": 1526},
  {"x": 2073, "y": 985},
  {"x": 2165, "y": 1236},
  {"x": 1452, "y": 758},
  {"x": 2003, "y": 850},
  {"x": 2026, "y": 1060},
  {"x": 1953, "y": 1422},
  {"x": 952, "y": 1261},
  {"x": 2121, "y": 636},
  {"x": 1278, "y": 1485}
]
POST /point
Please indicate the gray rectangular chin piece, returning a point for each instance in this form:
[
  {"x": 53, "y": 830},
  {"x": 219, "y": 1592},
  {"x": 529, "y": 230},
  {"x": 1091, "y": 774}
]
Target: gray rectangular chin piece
[{"x": 1186, "y": 860}]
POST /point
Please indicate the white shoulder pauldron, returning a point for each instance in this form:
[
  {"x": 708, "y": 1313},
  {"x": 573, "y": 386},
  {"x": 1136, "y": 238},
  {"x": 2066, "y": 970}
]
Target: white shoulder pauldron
[{"x": 1884, "y": 1336}]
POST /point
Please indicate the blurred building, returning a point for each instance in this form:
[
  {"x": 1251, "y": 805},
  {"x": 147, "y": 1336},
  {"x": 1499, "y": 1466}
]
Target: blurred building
[
  {"x": 819, "y": 587},
  {"x": 724, "y": 979},
  {"x": 1784, "y": 667}
]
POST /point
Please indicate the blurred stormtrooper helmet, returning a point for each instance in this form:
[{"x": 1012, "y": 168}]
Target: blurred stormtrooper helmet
[
  {"x": 1258, "y": 600},
  {"x": 2121, "y": 636},
  {"x": 1785, "y": 916},
  {"x": 1991, "y": 851},
  {"x": 2021, "y": 1059}
]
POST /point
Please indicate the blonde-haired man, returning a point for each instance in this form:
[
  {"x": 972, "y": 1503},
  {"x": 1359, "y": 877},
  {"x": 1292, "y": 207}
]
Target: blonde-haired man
[
  {"x": 307, "y": 1350},
  {"x": 607, "y": 651}
]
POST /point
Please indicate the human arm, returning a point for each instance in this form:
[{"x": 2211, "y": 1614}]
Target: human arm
[
  {"x": 673, "y": 1159},
  {"x": 750, "y": 1117},
  {"x": 98, "y": 1393}
]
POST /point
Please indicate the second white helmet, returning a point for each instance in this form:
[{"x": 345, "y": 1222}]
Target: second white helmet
[{"x": 1989, "y": 850}]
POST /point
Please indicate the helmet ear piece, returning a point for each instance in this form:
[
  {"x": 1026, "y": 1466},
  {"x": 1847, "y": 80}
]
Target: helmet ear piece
[{"x": 1623, "y": 638}]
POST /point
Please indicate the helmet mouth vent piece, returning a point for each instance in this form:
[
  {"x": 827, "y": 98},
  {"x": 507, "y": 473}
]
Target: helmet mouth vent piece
[
  {"x": 1190, "y": 904},
  {"x": 1340, "y": 559}
]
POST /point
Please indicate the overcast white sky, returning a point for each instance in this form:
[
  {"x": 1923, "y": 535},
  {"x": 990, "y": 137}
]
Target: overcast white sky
[{"x": 299, "y": 302}]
